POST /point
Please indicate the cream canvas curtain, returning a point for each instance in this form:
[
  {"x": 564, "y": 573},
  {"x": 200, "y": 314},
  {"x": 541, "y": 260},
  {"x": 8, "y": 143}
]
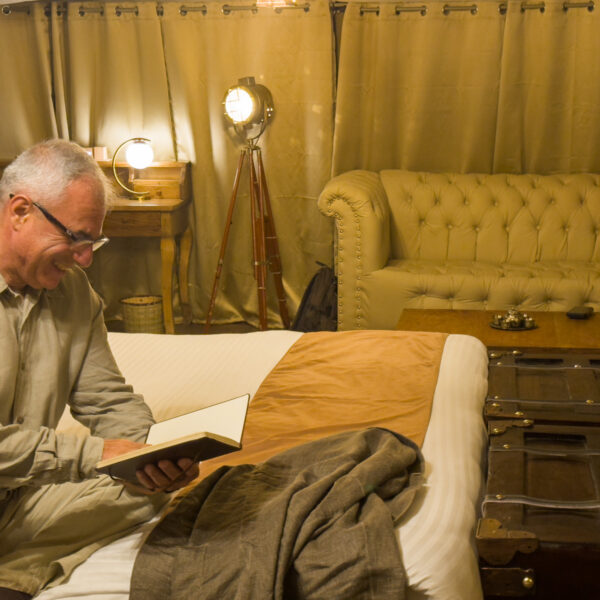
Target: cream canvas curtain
[
  {"x": 110, "y": 74},
  {"x": 289, "y": 51},
  {"x": 470, "y": 87},
  {"x": 26, "y": 79},
  {"x": 417, "y": 91},
  {"x": 549, "y": 101}
]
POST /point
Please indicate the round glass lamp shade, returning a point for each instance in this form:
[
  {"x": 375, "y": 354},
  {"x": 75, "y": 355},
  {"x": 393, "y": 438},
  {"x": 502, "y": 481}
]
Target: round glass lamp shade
[{"x": 139, "y": 154}]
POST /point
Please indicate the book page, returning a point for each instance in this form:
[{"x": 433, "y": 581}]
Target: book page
[{"x": 225, "y": 419}]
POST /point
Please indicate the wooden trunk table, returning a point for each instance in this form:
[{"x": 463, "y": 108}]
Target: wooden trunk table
[
  {"x": 554, "y": 329},
  {"x": 538, "y": 534}
]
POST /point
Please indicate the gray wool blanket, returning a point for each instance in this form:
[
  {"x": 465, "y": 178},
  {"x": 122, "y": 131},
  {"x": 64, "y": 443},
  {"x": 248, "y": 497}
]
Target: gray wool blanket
[{"x": 314, "y": 522}]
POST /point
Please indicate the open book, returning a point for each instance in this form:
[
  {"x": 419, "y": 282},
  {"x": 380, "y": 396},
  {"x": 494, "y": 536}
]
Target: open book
[{"x": 200, "y": 435}]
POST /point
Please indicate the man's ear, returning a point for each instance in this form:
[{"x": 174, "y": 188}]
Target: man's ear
[{"x": 19, "y": 208}]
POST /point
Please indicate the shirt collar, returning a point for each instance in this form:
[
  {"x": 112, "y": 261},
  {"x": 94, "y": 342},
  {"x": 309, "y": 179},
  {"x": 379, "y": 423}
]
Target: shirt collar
[
  {"x": 3, "y": 284},
  {"x": 4, "y": 288}
]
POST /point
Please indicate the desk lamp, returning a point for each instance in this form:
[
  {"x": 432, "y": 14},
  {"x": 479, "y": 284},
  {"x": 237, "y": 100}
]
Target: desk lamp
[{"x": 138, "y": 155}]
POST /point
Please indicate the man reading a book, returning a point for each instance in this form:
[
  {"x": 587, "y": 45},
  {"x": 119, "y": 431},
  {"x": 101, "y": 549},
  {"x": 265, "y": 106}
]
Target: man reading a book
[{"x": 54, "y": 508}]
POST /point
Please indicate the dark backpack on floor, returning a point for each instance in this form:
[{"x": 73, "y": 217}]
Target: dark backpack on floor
[{"x": 318, "y": 307}]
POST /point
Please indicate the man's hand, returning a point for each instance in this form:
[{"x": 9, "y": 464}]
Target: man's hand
[
  {"x": 164, "y": 476},
  {"x": 114, "y": 448},
  {"x": 167, "y": 476}
]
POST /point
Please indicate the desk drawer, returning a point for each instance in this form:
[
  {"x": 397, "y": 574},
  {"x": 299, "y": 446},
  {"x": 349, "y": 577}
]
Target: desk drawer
[{"x": 132, "y": 224}]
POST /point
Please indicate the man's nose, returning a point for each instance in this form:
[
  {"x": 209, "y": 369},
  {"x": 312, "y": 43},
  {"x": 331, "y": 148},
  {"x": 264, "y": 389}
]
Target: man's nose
[{"x": 83, "y": 256}]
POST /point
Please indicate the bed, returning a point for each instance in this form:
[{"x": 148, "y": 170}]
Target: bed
[{"x": 177, "y": 374}]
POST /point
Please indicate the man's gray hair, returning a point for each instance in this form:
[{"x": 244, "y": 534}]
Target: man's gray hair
[{"x": 45, "y": 170}]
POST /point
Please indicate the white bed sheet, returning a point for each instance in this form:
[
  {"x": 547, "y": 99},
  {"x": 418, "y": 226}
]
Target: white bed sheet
[{"x": 437, "y": 538}]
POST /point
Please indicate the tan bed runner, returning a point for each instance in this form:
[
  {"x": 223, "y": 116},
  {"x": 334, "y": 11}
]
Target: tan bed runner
[{"x": 329, "y": 382}]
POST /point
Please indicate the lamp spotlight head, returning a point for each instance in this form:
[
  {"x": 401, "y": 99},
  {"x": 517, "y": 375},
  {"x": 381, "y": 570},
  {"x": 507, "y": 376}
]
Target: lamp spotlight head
[{"x": 248, "y": 105}]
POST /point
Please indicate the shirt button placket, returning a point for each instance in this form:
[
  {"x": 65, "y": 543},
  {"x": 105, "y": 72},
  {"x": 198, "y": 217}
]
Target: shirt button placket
[{"x": 20, "y": 401}]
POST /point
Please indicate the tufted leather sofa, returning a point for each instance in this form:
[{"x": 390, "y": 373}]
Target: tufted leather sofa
[{"x": 462, "y": 241}]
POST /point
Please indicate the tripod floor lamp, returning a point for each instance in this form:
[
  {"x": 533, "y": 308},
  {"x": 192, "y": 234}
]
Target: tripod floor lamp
[{"x": 249, "y": 106}]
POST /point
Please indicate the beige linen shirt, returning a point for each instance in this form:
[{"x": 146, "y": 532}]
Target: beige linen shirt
[{"x": 54, "y": 351}]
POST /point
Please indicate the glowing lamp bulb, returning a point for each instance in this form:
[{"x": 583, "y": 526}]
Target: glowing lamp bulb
[
  {"x": 139, "y": 155},
  {"x": 239, "y": 105}
]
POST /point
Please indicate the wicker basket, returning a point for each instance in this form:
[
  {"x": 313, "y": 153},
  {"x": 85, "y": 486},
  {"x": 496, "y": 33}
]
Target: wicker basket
[{"x": 143, "y": 314}]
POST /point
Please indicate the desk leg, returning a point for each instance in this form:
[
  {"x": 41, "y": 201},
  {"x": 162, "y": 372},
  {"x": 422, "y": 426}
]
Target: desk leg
[
  {"x": 167, "y": 255},
  {"x": 185, "y": 250}
]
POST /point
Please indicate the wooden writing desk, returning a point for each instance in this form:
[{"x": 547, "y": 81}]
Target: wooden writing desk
[{"x": 164, "y": 213}]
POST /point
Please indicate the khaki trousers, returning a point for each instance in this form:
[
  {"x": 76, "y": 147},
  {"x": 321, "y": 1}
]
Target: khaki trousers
[{"x": 46, "y": 532}]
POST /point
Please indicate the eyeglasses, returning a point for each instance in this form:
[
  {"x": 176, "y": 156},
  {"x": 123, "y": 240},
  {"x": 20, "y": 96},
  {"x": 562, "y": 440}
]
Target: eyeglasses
[{"x": 79, "y": 242}]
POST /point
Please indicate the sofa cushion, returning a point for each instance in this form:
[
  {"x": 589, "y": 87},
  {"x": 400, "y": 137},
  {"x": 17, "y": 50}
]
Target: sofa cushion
[
  {"x": 493, "y": 218},
  {"x": 541, "y": 286}
]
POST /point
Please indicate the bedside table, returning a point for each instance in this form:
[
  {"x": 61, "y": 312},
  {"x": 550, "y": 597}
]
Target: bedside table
[{"x": 164, "y": 214}]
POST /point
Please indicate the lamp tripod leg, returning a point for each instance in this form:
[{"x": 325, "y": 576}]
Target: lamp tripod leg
[
  {"x": 272, "y": 246},
  {"x": 215, "y": 287},
  {"x": 265, "y": 247},
  {"x": 258, "y": 238}
]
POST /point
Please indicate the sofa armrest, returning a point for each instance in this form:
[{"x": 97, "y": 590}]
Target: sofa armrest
[{"x": 358, "y": 202}]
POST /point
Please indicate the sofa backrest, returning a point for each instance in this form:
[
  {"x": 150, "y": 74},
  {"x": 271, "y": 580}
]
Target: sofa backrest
[{"x": 499, "y": 218}]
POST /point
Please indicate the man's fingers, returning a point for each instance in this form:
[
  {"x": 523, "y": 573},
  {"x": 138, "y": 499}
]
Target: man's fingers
[
  {"x": 157, "y": 478},
  {"x": 167, "y": 475},
  {"x": 144, "y": 480},
  {"x": 185, "y": 463},
  {"x": 170, "y": 469},
  {"x": 187, "y": 471},
  {"x": 190, "y": 468}
]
